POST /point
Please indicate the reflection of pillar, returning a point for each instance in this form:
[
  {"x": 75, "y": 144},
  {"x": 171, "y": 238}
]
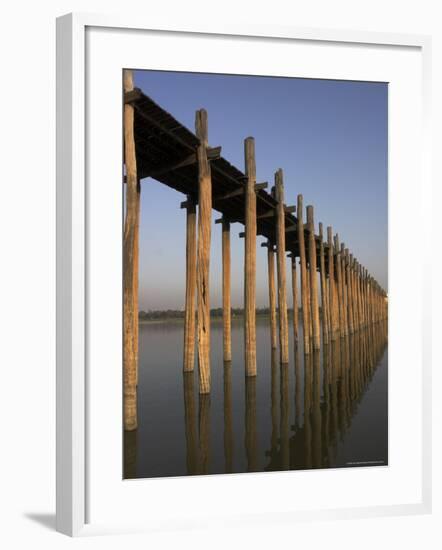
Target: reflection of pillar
[
  {"x": 250, "y": 422},
  {"x": 204, "y": 432},
  {"x": 130, "y": 454},
  {"x": 316, "y": 409},
  {"x": 228, "y": 422},
  {"x": 274, "y": 402},
  {"x": 326, "y": 391},
  {"x": 308, "y": 377},
  {"x": 284, "y": 420},
  {"x": 190, "y": 423},
  {"x": 203, "y": 265},
  {"x": 250, "y": 260},
  {"x": 298, "y": 389}
]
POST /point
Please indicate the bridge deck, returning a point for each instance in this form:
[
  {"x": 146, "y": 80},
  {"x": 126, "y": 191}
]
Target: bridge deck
[{"x": 165, "y": 151}]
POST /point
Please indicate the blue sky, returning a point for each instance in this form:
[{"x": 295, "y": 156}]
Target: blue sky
[{"x": 329, "y": 137}]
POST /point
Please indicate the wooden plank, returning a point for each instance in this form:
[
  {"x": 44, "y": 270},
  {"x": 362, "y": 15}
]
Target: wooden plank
[
  {"x": 281, "y": 269},
  {"x": 227, "y": 329},
  {"x": 130, "y": 266},
  {"x": 203, "y": 251},
  {"x": 313, "y": 280},
  {"x": 250, "y": 259},
  {"x": 304, "y": 281},
  {"x": 189, "y": 307}
]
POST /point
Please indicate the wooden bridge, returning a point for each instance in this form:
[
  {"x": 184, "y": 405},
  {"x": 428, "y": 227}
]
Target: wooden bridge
[{"x": 157, "y": 145}]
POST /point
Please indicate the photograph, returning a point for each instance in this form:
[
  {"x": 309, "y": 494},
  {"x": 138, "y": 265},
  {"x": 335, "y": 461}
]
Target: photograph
[{"x": 255, "y": 273}]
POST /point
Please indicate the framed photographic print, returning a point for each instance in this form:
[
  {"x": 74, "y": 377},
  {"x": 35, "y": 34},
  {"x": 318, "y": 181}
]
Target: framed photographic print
[{"x": 242, "y": 333}]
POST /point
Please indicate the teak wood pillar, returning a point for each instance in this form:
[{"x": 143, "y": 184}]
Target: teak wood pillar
[
  {"x": 304, "y": 280},
  {"x": 339, "y": 287},
  {"x": 280, "y": 256},
  {"x": 189, "y": 314},
  {"x": 344, "y": 290},
  {"x": 272, "y": 293},
  {"x": 331, "y": 286},
  {"x": 250, "y": 259},
  {"x": 130, "y": 265},
  {"x": 203, "y": 254},
  {"x": 324, "y": 296},
  {"x": 295, "y": 300},
  {"x": 349, "y": 293},
  {"x": 227, "y": 323},
  {"x": 313, "y": 280}
]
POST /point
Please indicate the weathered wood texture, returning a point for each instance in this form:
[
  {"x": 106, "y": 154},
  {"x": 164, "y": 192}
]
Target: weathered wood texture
[
  {"x": 280, "y": 254},
  {"x": 250, "y": 260},
  {"x": 272, "y": 294},
  {"x": 324, "y": 294},
  {"x": 344, "y": 290},
  {"x": 130, "y": 266},
  {"x": 295, "y": 301},
  {"x": 227, "y": 321},
  {"x": 189, "y": 311},
  {"x": 313, "y": 280},
  {"x": 331, "y": 285},
  {"x": 304, "y": 279},
  {"x": 349, "y": 293},
  {"x": 203, "y": 255},
  {"x": 339, "y": 286}
]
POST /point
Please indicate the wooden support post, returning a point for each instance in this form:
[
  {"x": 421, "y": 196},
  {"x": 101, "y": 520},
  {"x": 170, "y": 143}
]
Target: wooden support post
[
  {"x": 189, "y": 314},
  {"x": 250, "y": 259},
  {"x": 280, "y": 257},
  {"x": 203, "y": 265},
  {"x": 349, "y": 293},
  {"x": 313, "y": 280},
  {"x": 227, "y": 338},
  {"x": 272, "y": 293},
  {"x": 344, "y": 290},
  {"x": 295, "y": 301},
  {"x": 356, "y": 283},
  {"x": 130, "y": 266},
  {"x": 324, "y": 296},
  {"x": 339, "y": 286},
  {"x": 331, "y": 285},
  {"x": 304, "y": 280}
]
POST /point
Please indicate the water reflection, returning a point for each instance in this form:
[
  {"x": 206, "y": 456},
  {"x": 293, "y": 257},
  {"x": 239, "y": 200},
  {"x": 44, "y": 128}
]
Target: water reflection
[{"x": 294, "y": 416}]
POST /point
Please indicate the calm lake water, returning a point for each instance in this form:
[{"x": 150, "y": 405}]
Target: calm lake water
[{"x": 325, "y": 410}]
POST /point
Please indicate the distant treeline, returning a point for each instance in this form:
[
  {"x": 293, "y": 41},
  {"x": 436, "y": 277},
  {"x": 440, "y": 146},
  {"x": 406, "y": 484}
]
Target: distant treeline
[{"x": 157, "y": 315}]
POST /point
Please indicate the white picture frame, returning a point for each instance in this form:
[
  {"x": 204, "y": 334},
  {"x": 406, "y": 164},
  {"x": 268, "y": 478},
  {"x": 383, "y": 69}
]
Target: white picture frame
[{"x": 75, "y": 475}]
